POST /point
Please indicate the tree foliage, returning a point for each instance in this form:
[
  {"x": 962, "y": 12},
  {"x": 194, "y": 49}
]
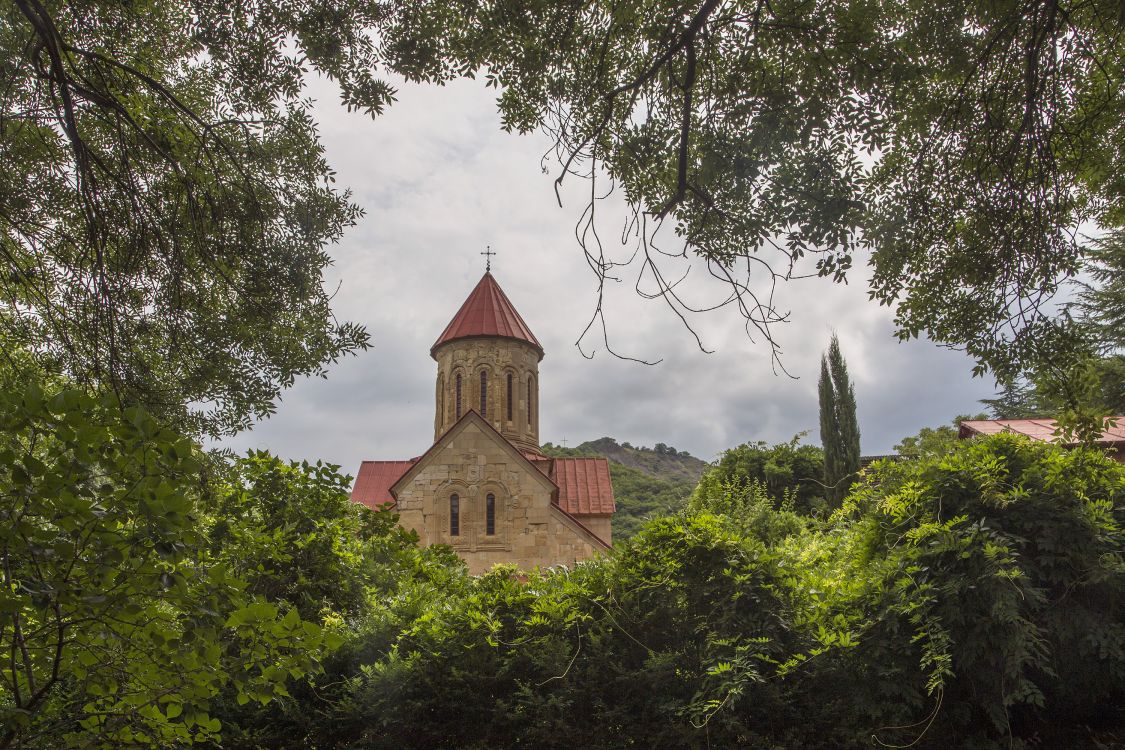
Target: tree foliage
[
  {"x": 960, "y": 144},
  {"x": 1005, "y": 567},
  {"x": 959, "y": 147},
  {"x": 163, "y": 215},
  {"x": 839, "y": 426},
  {"x": 969, "y": 595},
  {"x": 290, "y": 531},
  {"x": 968, "y": 598},
  {"x": 934, "y": 441},
  {"x": 1101, "y": 305},
  {"x": 790, "y": 473},
  {"x": 117, "y": 628},
  {"x": 163, "y": 211}
]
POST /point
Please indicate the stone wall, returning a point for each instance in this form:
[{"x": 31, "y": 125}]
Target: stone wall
[
  {"x": 472, "y": 463},
  {"x": 499, "y": 358},
  {"x": 600, "y": 525}
]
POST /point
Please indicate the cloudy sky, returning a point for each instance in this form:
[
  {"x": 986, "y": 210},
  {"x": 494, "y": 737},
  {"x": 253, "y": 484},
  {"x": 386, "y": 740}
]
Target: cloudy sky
[{"x": 439, "y": 181}]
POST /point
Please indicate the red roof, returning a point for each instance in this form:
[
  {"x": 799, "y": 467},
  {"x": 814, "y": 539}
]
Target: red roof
[
  {"x": 487, "y": 312},
  {"x": 584, "y": 486},
  {"x": 373, "y": 484},
  {"x": 1036, "y": 429}
]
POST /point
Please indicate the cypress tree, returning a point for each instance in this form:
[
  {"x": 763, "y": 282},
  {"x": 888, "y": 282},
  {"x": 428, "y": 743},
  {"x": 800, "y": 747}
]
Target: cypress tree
[
  {"x": 839, "y": 427},
  {"x": 829, "y": 428}
]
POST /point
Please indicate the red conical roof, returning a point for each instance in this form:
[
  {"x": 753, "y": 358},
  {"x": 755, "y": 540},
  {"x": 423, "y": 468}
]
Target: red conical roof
[{"x": 487, "y": 312}]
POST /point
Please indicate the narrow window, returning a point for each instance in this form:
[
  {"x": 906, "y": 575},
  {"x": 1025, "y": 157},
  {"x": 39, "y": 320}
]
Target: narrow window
[
  {"x": 490, "y": 514},
  {"x": 509, "y": 397},
  {"x": 529, "y": 402},
  {"x": 484, "y": 393},
  {"x": 458, "y": 395},
  {"x": 454, "y": 515},
  {"x": 441, "y": 399}
]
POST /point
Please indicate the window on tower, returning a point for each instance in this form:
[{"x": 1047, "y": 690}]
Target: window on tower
[
  {"x": 490, "y": 514},
  {"x": 529, "y": 402},
  {"x": 454, "y": 515},
  {"x": 484, "y": 393},
  {"x": 509, "y": 397},
  {"x": 458, "y": 388}
]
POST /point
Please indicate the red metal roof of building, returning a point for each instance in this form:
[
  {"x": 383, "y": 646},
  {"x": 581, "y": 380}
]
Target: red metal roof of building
[
  {"x": 373, "y": 484},
  {"x": 487, "y": 312},
  {"x": 584, "y": 486},
  {"x": 1036, "y": 429}
]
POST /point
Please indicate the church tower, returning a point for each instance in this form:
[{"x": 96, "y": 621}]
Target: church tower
[
  {"x": 488, "y": 362},
  {"x": 484, "y": 488}
]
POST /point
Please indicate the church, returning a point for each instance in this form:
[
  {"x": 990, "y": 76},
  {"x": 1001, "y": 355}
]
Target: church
[{"x": 484, "y": 487}]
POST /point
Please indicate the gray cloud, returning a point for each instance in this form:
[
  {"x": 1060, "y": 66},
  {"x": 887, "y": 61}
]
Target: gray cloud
[{"x": 439, "y": 181}]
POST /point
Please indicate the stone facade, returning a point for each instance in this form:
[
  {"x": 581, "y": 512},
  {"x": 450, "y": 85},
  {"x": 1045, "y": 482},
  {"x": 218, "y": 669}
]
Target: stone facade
[
  {"x": 484, "y": 488},
  {"x": 471, "y": 461},
  {"x": 511, "y": 386}
]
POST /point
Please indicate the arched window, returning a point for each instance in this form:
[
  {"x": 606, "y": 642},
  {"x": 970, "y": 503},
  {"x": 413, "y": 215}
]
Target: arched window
[
  {"x": 441, "y": 398},
  {"x": 529, "y": 402},
  {"x": 509, "y": 397},
  {"x": 490, "y": 514},
  {"x": 484, "y": 393},
  {"x": 458, "y": 395},
  {"x": 454, "y": 515}
]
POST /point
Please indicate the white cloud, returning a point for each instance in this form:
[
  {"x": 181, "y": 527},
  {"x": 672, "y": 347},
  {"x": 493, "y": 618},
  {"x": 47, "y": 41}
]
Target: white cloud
[{"x": 439, "y": 180}]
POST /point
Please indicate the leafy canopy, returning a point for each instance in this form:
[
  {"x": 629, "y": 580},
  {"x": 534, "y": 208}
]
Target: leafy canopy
[
  {"x": 790, "y": 473},
  {"x": 967, "y": 598},
  {"x": 164, "y": 209},
  {"x": 118, "y": 627},
  {"x": 166, "y": 203},
  {"x": 958, "y": 145}
]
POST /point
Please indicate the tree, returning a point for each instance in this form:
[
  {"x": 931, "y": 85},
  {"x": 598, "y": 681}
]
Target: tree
[
  {"x": 1101, "y": 304},
  {"x": 960, "y": 144},
  {"x": 290, "y": 532},
  {"x": 934, "y": 441},
  {"x": 971, "y": 598},
  {"x": 164, "y": 208},
  {"x": 839, "y": 428},
  {"x": 978, "y": 546},
  {"x": 1018, "y": 399},
  {"x": 1088, "y": 388},
  {"x": 116, "y": 625},
  {"x": 1095, "y": 385},
  {"x": 789, "y": 473}
]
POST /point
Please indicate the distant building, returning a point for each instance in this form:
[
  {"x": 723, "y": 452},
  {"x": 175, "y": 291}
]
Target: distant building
[
  {"x": 1113, "y": 438},
  {"x": 484, "y": 487}
]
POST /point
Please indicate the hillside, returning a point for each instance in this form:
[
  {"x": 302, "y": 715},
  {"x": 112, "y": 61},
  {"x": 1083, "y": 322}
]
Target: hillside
[{"x": 647, "y": 482}]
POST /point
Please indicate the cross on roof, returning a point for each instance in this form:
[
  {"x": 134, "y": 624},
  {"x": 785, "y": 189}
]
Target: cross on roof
[{"x": 488, "y": 258}]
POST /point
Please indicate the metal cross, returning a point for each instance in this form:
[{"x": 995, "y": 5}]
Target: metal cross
[{"x": 488, "y": 258}]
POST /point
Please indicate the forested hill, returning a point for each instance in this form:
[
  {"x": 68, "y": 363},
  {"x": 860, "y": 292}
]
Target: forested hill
[{"x": 647, "y": 482}]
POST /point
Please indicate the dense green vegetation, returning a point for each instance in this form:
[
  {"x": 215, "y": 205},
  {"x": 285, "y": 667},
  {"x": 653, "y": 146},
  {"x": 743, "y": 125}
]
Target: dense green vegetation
[
  {"x": 971, "y": 599},
  {"x": 971, "y": 596},
  {"x": 164, "y": 209},
  {"x": 790, "y": 474},
  {"x": 933, "y": 441}
]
